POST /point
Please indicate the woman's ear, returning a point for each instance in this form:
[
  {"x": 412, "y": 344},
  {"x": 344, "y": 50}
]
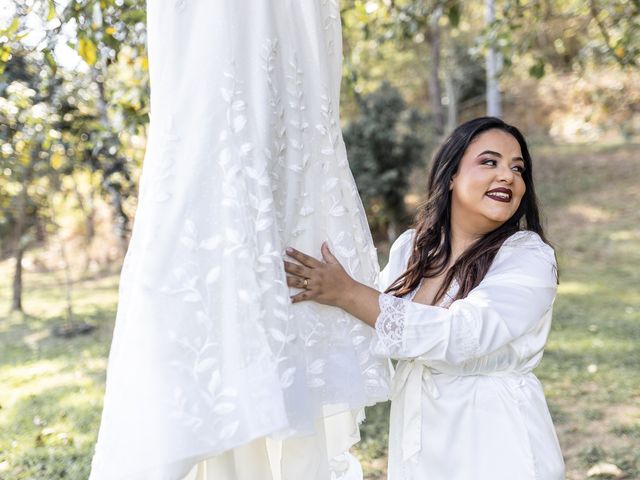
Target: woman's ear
[{"x": 451, "y": 180}]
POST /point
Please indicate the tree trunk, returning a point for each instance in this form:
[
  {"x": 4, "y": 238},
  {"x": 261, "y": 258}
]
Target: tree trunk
[
  {"x": 87, "y": 206},
  {"x": 119, "y": 221},
  {"x": 435, "y": 91},
  {"x": 16, "y": 303},
  {"x": 68, "y": 282},
  {"x": 452, "y": 104},
  {"x": 19, "y": 243},
  {"x": 494, "y": 107}
]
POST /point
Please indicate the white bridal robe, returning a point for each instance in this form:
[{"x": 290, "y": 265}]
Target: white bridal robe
[
  {"x": 466, "y": 404},
  {"x": 212, "y": 372}
]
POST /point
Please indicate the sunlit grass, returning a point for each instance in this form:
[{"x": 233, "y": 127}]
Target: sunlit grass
[
  {"x": 51, "y": 388},
  {"x": 591, "y": 367}
]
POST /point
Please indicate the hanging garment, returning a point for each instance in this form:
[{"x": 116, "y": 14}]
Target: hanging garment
[
  {"x": 314, "y": 456},
  {"x": 465, "y": 402},
  {"x": 244, "y": 157}
]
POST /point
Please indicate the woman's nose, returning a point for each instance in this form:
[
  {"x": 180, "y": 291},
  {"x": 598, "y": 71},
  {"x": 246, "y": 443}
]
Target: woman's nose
[{"x": 505, "y": 174}]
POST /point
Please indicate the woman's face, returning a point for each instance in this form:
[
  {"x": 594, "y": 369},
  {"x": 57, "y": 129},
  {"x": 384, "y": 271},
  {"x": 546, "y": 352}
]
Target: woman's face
[{"x": 488, "y": 186}]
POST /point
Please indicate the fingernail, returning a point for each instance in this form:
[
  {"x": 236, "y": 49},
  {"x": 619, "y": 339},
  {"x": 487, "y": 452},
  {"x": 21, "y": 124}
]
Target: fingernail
[{"x": 289, "y": 250}]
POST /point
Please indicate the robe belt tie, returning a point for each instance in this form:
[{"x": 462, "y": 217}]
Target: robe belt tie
[{"x": 412, "y": 375}]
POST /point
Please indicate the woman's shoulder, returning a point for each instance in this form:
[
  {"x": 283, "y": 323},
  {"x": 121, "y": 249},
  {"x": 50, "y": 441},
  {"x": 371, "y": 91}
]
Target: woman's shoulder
[
  {"x": 401, "y": 248},
  {"x": 527, "y": 239},
  {"x": 523, "y": 258},
  {"x": 405, "y": 240},
  {"x": 528, "y": 248}
]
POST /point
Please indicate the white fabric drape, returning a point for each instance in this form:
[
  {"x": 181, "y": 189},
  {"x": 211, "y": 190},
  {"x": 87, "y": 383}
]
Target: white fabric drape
[
  {"x": 465, "y": 402},
  {"x": 244, "y": 157}
]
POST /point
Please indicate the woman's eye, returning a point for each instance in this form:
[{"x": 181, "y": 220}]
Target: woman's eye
[{"x": 493, "y": 163}]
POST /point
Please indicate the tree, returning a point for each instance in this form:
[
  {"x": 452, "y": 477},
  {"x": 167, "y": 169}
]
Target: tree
[
  {"x": 27, "y": 141},
  {"x": 421, "y": 22},
  {"x": 494, "y": 105},
  {"x": 384, "y": 145},
  {"x": 109, "y": 31},
  {"x": 56, "y": 123},
  {"x": 564, "y": 34}
]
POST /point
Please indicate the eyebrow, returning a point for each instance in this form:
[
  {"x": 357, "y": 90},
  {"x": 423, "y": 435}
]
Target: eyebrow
[{"x": 491, "y": 152}]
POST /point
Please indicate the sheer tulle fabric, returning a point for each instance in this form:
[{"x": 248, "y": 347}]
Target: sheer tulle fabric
[{"x": 244, "y": 157}]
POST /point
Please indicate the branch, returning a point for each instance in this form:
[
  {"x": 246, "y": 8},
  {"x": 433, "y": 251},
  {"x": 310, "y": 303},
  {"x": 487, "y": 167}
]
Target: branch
[{"x": 605, "y": 34}]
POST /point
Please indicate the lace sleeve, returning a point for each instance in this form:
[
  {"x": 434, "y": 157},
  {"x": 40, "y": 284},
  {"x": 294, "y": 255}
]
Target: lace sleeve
[{"x": 390, "y": 323}]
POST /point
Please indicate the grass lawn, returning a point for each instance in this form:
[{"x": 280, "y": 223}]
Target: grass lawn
[{"x": 51, "y": 388}]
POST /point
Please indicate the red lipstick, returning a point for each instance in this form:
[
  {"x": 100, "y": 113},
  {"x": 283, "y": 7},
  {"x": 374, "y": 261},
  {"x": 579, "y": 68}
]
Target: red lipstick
[{"x": 500, "y": 194}]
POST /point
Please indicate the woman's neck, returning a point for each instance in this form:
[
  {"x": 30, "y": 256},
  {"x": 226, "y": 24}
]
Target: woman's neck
[{"x": 461, "y": 239}]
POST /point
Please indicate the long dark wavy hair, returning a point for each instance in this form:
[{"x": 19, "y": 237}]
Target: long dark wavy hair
[{"x": 432, "y": 242}]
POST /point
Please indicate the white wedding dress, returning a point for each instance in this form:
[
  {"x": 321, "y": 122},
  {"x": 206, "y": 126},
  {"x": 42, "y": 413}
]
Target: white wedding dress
[{"x": 212, "y": 372}]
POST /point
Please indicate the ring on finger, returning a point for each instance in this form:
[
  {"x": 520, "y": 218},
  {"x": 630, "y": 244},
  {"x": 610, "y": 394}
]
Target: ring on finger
[{"x": 305, "y": 283}]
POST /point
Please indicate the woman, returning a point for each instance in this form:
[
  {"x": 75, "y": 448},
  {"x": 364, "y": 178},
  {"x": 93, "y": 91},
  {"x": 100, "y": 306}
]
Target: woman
[{"x": 466, "y": 311}]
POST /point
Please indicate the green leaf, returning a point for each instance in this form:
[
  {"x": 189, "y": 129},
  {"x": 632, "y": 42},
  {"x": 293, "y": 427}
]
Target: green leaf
[
  {"x": 5, "y": 53},
  {"x": 537, "y": 70},
  {"x": 133, "y": 16},
  {"x": 56, "y": 160},
  {"x": 13, "y": 28},
  {"x": 51, "y": 61},
  {"x": 52, "y": 11},
  {"x": 454, "y": 15},
  {"x": 87, "y": 50}
]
